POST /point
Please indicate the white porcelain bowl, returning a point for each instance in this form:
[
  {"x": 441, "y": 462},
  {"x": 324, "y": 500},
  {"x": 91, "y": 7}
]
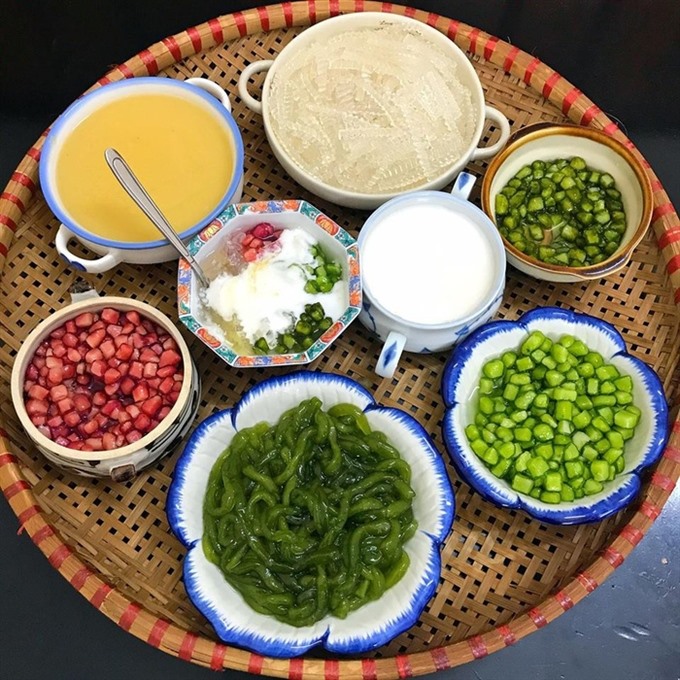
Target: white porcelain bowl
[
  {"x": 125, "y": 462},
  {"x": 364, "y": 629},
  {"x": 208, "y": 248},
  {"x": 459, "y": 389},
  {"x": 601, "y": 152},
  {"x": 334, "y": 26}
]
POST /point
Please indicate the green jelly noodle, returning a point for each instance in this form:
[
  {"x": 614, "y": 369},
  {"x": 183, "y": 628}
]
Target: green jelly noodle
[
  {"x": 562, "y": 212},
  {"x": 309, "y": 516},
  {"x": 553, "y": 419}
]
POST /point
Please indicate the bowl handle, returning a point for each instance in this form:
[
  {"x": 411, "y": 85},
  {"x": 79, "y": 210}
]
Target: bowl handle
[
  {"x": 250, "y": 70},
  {"x": 390, "y": 354},
  {"x": 96, "y": 266},
  {"x": 211, "y": 88},
  {"x": 495, "y": 116}
]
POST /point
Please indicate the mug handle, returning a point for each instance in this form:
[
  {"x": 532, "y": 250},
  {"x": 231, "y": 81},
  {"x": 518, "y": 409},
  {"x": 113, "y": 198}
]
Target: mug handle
[
  {"x": 390, "y": 354},
  {"x": 249, "y": 71},
  {"x": 494, "y": 115},
  {"x": 96, "y": 266},
  {"x": 211, "y": 88}
]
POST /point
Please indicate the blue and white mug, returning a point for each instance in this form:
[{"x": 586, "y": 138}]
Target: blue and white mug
[{"x": 399, "y": 333}]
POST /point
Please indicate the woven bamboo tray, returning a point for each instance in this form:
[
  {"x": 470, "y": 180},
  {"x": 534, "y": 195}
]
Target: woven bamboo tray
[{"x": 504, "y": 575}]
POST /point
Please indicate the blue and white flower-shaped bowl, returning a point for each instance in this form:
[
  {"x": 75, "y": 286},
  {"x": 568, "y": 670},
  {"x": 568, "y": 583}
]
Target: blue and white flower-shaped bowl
[
  {"x": 459, "y": 387},
  {"x": 373, "y": 624}
]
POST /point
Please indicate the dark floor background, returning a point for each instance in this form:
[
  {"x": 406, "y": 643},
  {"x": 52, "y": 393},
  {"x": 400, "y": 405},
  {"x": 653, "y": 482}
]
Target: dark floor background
[{"x": 624, "y": 54}]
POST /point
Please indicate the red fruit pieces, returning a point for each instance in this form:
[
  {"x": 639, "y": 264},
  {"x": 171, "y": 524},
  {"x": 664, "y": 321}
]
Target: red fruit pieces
[
  {"x": 262, "y": 230},
  {"x": 169, "y": 358},
  {"x": 250, "y": 255},
  {"x": 110, "y": 316},
  {"x": 152, "y": 406},
  {"x": 102, "y": 380},
  {"x": 95, "y": 338},
  {"x": 84, "y": 320}
]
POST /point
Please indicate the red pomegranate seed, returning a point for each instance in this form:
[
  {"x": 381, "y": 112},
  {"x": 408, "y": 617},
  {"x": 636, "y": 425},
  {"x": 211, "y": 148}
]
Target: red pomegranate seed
[
  {"x": 256, "y": 244},
  {"x": 58, "y": 333},
  {"x": 166, "y": 385},
  {"x": 262, "y": 230},
  {"x": 110, "y": 406},
  {"x": 53, "y": 362},
  {"x": 84, "y": 320},
  {"x": 54, "y": 422},
  {"x": 172, "y": 397},
  {"x": 59, "y": 392},
  {"x": 77, "y": 445},
  {"x": 32, "y": 372},
  {"x": 62, "y": 441},
  {"x": 150, "y": 370},
  {"x": 133, "y": 317},
  {"x": 70, "y": 326},
  {"x": 136, "y": 370},
  {"x": 99, "y": 398},
  {"x": 133, "y": 410},
  {"x": 166, "y": 371},
  {"x": 41, "y": 351},
  {"x": 89, "y": 426},
  {"x": 114, "y": 330},
  {"x": 43, "y": 429},
  {"x": 126, "y": 426},
  {"x": 94, "y": 339},
  {"x": 127, "y": 385},
  {"x": 124, "y": 368},
  {"x": 163, "y": 412},
  {"x": 113, "y": 362},
  {"x": 169, "y": 343},
  {"x": 83, "y": 380},
  {"x": 153, "y": 384},
  {"x": 148, "y": 355},
  {"x": 98, "y": 368},
  {"x": 110, "y": 316},
  {"x": 122, "y": 339},
  {"x": 69, "y": 371},
  {"x": 128, "y": 328},
  {"x": 138, "y": 341}
]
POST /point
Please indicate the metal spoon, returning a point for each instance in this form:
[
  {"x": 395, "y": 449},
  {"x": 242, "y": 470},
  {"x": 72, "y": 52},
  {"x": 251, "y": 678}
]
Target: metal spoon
[{"x": 140, "y": 196}]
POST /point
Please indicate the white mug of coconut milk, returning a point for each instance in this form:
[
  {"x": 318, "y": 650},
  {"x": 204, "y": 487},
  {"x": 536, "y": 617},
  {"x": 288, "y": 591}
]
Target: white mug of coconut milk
[{"x": 433, "y": 270}]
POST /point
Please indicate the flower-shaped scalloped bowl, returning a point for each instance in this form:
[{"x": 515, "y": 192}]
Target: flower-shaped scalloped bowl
[
  {"x": 282, "y": 214},
  {"x": 366, "y": 628},
  {"x": 459, "y": 385}
]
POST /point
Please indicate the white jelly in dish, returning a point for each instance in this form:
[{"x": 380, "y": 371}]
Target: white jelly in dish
[
  {"x": 365, "y": 628},
  {"x": 433, "y": 270}
]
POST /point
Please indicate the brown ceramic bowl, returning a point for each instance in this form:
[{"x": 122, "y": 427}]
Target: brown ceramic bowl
[{"x": 601, "y": 152}]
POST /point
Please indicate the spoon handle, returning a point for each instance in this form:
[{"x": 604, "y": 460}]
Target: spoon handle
[{"x": 139, "y": 195}]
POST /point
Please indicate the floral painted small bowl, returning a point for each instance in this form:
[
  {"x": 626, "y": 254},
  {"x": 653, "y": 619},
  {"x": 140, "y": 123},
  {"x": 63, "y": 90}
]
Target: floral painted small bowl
[
  {"x": 208, "y": 248},
  {"x": 460, "y": 384},
  {"x": 367, "y": 627}
]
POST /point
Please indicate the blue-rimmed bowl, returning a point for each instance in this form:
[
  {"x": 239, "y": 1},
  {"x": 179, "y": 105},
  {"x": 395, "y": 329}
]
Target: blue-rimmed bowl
[
  {"x": 367, "y": 627},
  {"x": 210, "y": 246},
  {"x": 459, "y": 388},
  {"x": 202, "y": 92}
]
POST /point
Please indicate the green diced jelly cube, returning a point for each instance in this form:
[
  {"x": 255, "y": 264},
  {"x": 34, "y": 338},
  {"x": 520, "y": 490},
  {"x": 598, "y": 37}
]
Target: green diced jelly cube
[
  {"x": 485, "y": 386},
  {"x": 599, "y": 470},
  {"x": 493, "y": 369},
  {"x": 592, "y": 486},
  {"x": 566, "y": 493},
  {"x": 537, "y": 467},
  {"x": 624, "y": 383},
  {"x": 613, "y": 455},
  {"x": 522, "y": 460},
  {"x": 571, "y": 452},
  {"x": 523, "y": 434},
  {"x": 490, "y": 456},
  {"x": 544, "y": 451},
  {"x": 510, "y": 392},
  {"x": 522, "y": 484},
  {"x": 507, "y": 449},
  {"x": 552, "y": 497},
  {"x": 472, "y": 432},
  {"x": 479, "y": 446},
  {"x": 553, "y": 481},
  {"x": 501, "y": 468}
]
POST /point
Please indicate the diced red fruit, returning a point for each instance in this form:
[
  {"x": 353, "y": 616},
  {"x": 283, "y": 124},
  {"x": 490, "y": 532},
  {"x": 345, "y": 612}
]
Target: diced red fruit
[
  {"x": 111, "y": 406},
  {"x": 84, "y": 320},
  {"x": 166, "y": 371},
  {"x": 95, "y": 338},
  {"x": 110, "y": 316},
  {"x": 81, "y": 403},
  {"x": 133, "y": 436},
  {"x": 163, "y": 412},
  {"x": 127, "y": 385},
  {"x": 150, "y": 370},
  {"x": 39, "y": 392},
  {"x": 109, "y": 441},
  {"x": 69, "y": 371},
  {"x": 169, "y": 358},
  {"x": 32, "y": 372},
  {"x": 133, "y": 317},
  {"x": 59, "y": 350},
  {"x": 112, "y": 388},
  {"x": 65, "y": 405},
  {"x": 72, "y": 418},
  {"x": 55, "y": 375},
  {"x": 136, "y": 370},
  {"x": 42, "y": 428},
  {"x": 152, "y": 406},
  {"x": 98, "y": 368},
  {"x": 83, "y": 380},
  {"x": 262, "y": 230},
  {"x": 58, "y": 392},
  {"x": 53, "y": 362},
  {"x": 128, "y": 328},
  {"x": 94, "y": 355},
  {"x": 62, "y": 441},
  {"x": 166, "y": 385},
  {"x": 58, "y": 333},
  {"x": 114, "y": 331},
  {"x": 99, "y": 398},
  {"x": 247, "y": 238},
  {"x": 250, "y": 255},
  {"x": 70, "y": 340},
  {"x": 54, "y": 422},
  {"x": 256, "y": 244},
  {"x": 95, "y": 443},
  {"x": 89, "y": 426},
  {"x": 147, "y": 355},
  {"x": 142, "y": 422},
  {"x": 73, "y": 355},
  {"x": 140, "y": 392},
  {"x": 108, "y": 348},
  {"x": 124, "y": 352},
  {"x": 169, "y": 343}
]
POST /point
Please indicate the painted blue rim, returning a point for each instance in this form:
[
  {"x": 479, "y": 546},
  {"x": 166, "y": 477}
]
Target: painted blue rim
[
  {"x": 470, "y": 467},
  {"x": 428, "y": 579},
  {"x": 49, "y": 189},
  {"x": 468, "y": 207}
]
